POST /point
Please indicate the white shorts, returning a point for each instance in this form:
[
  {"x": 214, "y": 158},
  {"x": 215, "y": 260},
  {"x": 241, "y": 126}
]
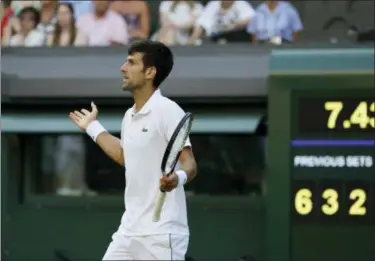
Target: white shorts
[{"x": 153, "y": 247}]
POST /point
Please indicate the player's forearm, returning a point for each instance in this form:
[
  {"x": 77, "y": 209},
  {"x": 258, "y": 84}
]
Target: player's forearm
[
  {"x": 190, "y": 167},
  {"x": 111, "y": 145}
]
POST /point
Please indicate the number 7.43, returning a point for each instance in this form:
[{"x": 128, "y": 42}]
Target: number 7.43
[{"x": 362, "y": 115}]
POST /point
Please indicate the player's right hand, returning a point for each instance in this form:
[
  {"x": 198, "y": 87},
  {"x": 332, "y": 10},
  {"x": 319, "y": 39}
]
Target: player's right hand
[{"x": 84, "y": 117}]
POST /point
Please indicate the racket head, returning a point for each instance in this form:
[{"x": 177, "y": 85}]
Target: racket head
[{"x": 176, "y": 144}]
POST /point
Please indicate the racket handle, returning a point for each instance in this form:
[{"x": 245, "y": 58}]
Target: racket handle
[{"x": 158, "y": 206}]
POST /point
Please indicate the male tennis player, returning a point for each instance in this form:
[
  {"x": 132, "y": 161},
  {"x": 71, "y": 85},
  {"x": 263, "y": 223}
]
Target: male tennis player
[{"x": 145, "y": 131}]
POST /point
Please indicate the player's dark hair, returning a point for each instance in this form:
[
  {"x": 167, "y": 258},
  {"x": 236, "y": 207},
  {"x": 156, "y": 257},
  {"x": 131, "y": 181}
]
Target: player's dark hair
[{"x": 155, "y": 54}]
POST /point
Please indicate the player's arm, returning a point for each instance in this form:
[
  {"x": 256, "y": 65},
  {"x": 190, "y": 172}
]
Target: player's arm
[
  {"x": 188, "y": 163},
  {"x": 110, "y": 144}
]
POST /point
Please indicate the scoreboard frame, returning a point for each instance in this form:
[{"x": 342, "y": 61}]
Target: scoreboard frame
[{"x": 282, "y": 106}]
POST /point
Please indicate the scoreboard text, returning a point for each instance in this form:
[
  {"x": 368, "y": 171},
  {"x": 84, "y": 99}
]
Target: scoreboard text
[{"x": 333, "y": 153}]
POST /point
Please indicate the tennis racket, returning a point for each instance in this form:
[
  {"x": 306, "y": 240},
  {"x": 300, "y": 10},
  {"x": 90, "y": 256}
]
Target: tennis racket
[{"x": 171, "y": 155}]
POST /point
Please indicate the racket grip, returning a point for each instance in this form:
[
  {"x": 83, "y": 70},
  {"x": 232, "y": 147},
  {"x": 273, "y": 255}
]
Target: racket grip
[{"x": 158, "y": 206}]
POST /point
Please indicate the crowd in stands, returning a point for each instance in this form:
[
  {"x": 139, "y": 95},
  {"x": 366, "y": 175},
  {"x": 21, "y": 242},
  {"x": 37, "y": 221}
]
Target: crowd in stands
[{"x": 108, "y": 23}]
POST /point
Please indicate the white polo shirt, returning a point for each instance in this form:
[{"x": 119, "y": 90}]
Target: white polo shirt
[{"x": 144, "y": 138}]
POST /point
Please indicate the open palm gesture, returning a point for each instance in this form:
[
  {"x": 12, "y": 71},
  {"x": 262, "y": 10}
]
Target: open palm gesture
[{"x": 84, "y": 117}]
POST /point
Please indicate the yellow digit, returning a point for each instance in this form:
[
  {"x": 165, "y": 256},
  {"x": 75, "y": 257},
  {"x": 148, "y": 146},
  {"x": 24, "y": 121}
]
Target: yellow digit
[
  {"x": 303, "y": 202},
  {"x": 335, "y": 108},
  {"x": 372, "y": 120},
  {"x": 360, "y": 116},
  {"x": 332, "y": 205},
  {"x": 359, "y": 195}
]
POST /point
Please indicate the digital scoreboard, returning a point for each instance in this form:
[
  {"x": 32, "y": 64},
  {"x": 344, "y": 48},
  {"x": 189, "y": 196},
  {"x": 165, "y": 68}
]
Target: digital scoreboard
[
  {"x": 332, "y": 150},
  {"x": 321, "y": 178}
]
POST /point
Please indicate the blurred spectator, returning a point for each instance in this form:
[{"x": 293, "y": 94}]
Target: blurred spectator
[
  {"x": 224, "y": 20},
  {"x": 47, "y": 17},
  {"x": 103, "y": 27},
  {"x": 6, "y": 15},
  {"x": 177, "y": 19},
  {"x": 81, "y": 7},
  {"x": 17, "y": 6},
  {"x": 136, "y": 16},
  {"x": 28, "y": 36},
  {"x": 275, "y": 21},
  {"x": 13, "y": 25},
  {"x": 66, "y": 32}
]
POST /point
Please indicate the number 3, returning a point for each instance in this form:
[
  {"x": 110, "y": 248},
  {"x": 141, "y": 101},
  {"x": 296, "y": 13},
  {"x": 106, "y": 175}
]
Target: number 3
[
  {"x": 357, "y": 209},
  {"x": 332, "y": 205}
]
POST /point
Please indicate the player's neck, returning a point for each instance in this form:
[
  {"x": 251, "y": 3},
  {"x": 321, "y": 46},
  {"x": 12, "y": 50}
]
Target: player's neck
[{"x": 141, "y": 96}]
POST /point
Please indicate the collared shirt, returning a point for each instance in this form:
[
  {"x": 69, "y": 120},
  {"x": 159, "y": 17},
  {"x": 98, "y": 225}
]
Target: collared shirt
[
  {"x": 103, "y": 31},
  {"x": 144, "y": 138},
  {"x": 282, "y": 22}
]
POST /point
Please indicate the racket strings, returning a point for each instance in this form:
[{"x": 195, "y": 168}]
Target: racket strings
[{"x": 177, "y": 146}]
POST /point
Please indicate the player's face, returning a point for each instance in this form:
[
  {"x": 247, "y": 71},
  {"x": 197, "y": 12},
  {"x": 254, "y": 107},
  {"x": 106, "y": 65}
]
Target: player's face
[{"x": 133, "y": 72}]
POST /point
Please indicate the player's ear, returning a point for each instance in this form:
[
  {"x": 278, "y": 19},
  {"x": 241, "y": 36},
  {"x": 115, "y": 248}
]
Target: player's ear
[{"x": 150, "y": 73}]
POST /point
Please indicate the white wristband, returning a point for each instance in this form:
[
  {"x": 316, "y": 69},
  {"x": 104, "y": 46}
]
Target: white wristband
[
  {"x": 182, "y": 178},
  {"x": 94, "y": 129}
]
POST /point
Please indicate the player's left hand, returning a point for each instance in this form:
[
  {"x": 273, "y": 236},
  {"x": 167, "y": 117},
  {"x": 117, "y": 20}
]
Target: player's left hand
[{"x": 168, "y": 183}]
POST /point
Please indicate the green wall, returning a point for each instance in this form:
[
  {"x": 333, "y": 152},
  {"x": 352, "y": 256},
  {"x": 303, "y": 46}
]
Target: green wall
[{"x": 36, "y": 226}]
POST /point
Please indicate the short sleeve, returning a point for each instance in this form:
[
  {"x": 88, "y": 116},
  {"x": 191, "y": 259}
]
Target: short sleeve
[
  {"x": 172, "y": 115},
  {"x": 296, "y": 24},
  {"x": 123, "y": 127},
  {"x": 245, "y": 10},
  {"x": 252, "y": 26},
  {"x": 165, "y": 6}
]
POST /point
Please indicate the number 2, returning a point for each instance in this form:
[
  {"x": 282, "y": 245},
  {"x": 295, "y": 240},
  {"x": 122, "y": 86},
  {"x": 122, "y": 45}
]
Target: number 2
[
  {"x": 357, "y": 209},
  {"x": 335, "y": 109}
]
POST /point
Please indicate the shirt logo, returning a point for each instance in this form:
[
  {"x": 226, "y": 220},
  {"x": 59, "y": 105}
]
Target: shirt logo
[{"x": 144, "y": 130}]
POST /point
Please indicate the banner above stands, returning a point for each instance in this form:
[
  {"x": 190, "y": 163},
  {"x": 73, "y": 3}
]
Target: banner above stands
[
  {"x": 60, "y": 123},
  {"x": 207, "y": 72}
]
